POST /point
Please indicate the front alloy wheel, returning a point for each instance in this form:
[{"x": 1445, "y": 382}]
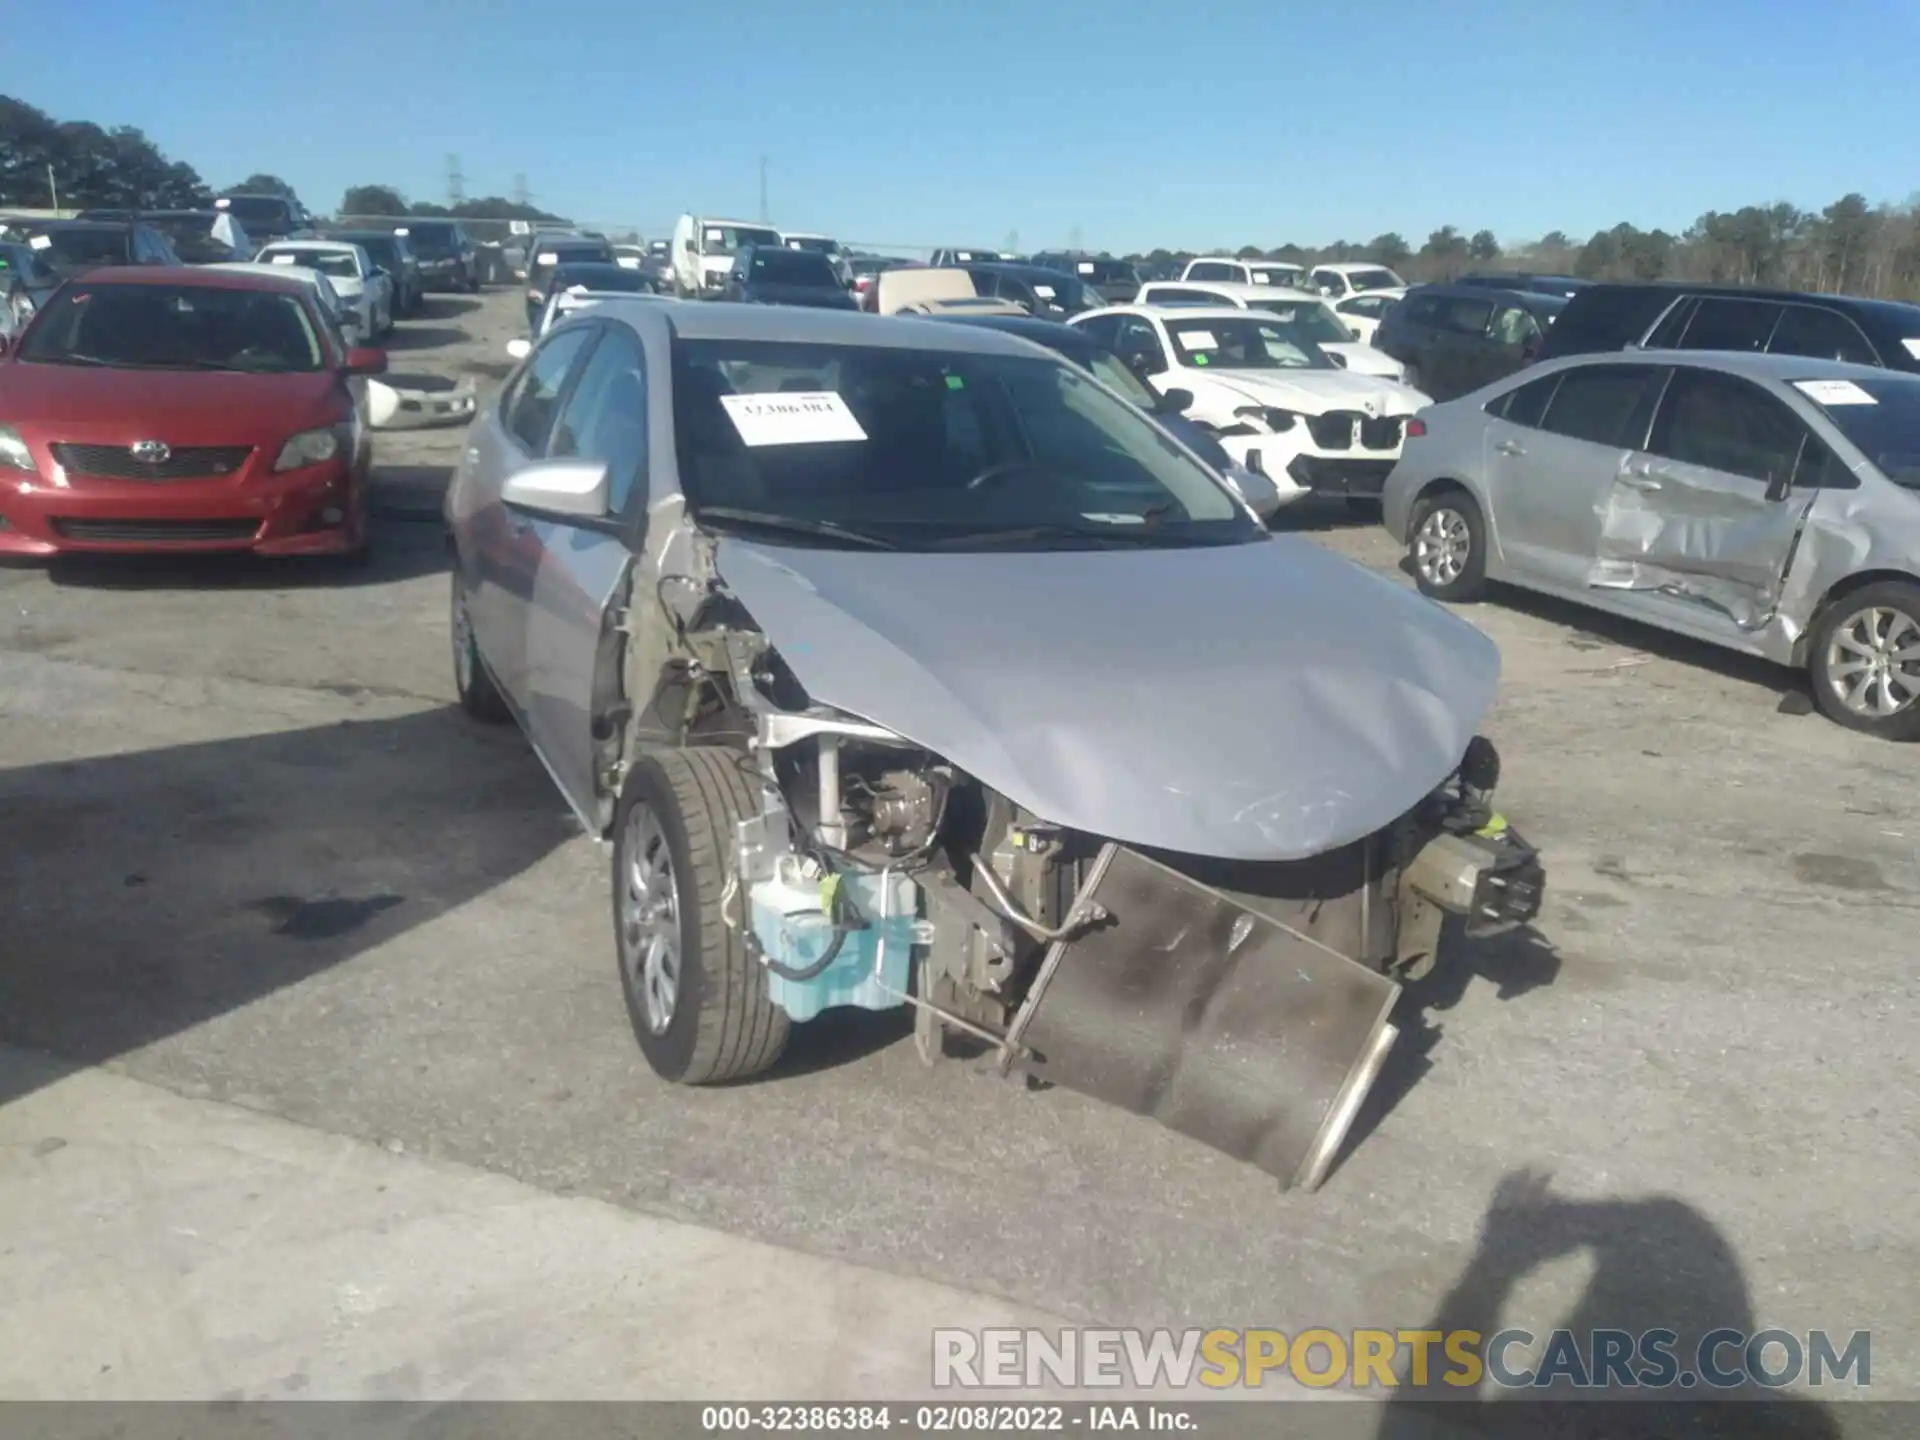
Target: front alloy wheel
[
  {"x": 1865, "y": 661},
  {"x": 649, "y": 919}
]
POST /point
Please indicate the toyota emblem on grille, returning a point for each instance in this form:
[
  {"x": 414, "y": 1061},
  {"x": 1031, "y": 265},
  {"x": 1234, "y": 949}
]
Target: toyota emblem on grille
[{"x": 151, "y": 452}]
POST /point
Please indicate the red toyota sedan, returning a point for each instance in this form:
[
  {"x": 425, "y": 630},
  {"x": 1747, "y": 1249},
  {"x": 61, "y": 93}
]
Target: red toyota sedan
[{"x": 183, "y": 409}]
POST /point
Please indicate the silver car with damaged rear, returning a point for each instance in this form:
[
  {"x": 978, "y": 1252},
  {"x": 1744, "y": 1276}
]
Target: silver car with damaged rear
[
  {"x": 906, "y": 664},
  {"x": 1766, "y": 503}
]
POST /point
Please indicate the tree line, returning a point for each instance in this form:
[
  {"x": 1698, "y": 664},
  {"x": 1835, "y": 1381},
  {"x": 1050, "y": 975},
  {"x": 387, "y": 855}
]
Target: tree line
[
  {"x": 49, "y": 164},
  {"x": 1852, "y": 246}
]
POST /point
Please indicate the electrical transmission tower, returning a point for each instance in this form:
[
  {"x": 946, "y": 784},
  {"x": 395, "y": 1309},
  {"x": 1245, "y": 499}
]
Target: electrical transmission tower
[
  {"x": 522, "y": 196},
  {"x": 456, "y": 182}
]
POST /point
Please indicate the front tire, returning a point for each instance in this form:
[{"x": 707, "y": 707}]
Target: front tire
[
  {"x": 1863, "y": 660},
  {"x": 1447, "y": 546},
  {"x": 696, "y": 997},
  {"x": 479, "y": 696}
]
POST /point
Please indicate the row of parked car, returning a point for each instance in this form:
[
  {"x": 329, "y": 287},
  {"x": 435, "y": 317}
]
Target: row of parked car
[{"x": 1734, "y": 464}]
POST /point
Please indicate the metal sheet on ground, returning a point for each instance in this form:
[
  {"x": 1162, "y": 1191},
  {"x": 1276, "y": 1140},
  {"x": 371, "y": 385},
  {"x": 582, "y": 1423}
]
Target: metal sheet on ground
[{"x": 1219, "y": 1023}]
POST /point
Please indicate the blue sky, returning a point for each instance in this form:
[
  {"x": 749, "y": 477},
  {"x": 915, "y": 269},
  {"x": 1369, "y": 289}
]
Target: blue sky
[{"x": 924, "y": 124}]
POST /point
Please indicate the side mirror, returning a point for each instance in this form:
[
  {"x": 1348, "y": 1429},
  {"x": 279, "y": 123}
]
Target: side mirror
[
  {"x": 576, "y": 489},
  {"x": 364, "y": 361},
  {"x": 1337, "y": 358},
  {"x": 519, "y": 348},
  {"x": 1352, "y": 333},
  {"x": 1176, "y": 402}
]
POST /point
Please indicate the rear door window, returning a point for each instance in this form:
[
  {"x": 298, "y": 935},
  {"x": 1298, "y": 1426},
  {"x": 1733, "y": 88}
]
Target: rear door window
[
  {"x": 1526, "y": 405},
  {"x": 1724, "y": 323},
  {"x": 1825, "y": 334},
  {"x": 1723, "y": 422},
  {"x": 1421, "y": 309},
  {"x": 1515, "y": 325},
  {"x": 1596, "y": 402},
  {"x": 1211, "y": 270},
  {"x": 1465, "y": 315}
]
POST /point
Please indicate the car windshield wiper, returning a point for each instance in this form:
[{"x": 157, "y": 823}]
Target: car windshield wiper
[{"x": 792, "y": 525}]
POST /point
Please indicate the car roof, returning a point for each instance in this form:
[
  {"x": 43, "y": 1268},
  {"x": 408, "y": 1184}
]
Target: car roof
[
  {"x": 1018, "y": 267},
  {"x": 739, "y": 224},
  {"x": 1050, "y": 333},
  {"x": 212, "y": 277},
  {"x": 1235, "y": 287},
  {"x": 1347, "y": 267},
  {"x": 724, "y": 320},
  {"x": 45, "y": 227},
  {"x": 1751, "y": 364},
  {"x": 1480, "y": 292},
  {"x": 1178, "y": 312}
]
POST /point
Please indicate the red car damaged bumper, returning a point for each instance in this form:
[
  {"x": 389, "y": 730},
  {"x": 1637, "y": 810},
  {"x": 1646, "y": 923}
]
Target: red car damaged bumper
[{"x": 316, "y": 510}]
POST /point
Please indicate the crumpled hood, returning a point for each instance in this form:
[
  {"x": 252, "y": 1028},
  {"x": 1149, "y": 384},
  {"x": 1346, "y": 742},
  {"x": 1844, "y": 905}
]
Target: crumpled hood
[
  {"x": 1313, "y": 392},
  {"x": 1262, "y": 702}
]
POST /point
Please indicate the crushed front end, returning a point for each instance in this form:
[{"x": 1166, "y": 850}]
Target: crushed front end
[{"x": 1243, "y": 1003}]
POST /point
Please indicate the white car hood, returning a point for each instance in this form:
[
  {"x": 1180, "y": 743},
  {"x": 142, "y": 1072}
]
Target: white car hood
[
  {"x": 1363, "y": 359},
  {"x": 1307, "y": 392}
]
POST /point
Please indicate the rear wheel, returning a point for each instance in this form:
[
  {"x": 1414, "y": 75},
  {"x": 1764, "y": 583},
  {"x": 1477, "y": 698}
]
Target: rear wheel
[
  {"x": 696, "y": 996},
  {"x": 1447, "y": 546},
  {"x": 1864, "y": 661},
  {"x": 479, "y": 696}
]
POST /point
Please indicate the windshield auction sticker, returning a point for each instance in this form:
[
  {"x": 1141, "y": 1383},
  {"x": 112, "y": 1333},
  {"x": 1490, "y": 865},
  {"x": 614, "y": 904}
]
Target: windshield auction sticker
[
  {"x": 807, "y": 417},
  {"x": 1834, "y": 392}
]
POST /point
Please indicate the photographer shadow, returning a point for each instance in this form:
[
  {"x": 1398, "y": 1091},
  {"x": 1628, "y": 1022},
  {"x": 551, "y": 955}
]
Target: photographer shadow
[{"x": 1658, "y": 1264}]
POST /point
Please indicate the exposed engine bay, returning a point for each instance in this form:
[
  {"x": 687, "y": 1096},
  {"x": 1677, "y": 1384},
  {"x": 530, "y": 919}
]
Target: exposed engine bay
[{"x": 1243, "y": 1002}]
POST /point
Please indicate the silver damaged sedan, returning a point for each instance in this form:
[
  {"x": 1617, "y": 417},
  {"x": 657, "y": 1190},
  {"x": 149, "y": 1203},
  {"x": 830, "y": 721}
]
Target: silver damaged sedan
[
  {"x": 1766, "y": 503},
  {"x": 905, "y": 664}
]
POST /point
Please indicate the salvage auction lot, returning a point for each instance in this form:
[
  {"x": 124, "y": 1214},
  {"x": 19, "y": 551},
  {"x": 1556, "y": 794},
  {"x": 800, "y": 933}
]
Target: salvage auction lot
[{"x": 255, "y": 853}]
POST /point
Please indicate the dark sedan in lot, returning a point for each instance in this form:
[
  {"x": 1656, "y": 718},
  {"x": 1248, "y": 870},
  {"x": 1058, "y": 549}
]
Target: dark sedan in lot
[
  {"x": 774, "y": 275},
  {"x": 394, "y": 255},
  {"x": 183, "y": 409}
]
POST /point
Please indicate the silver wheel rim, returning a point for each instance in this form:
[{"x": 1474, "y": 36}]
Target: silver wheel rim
[
  {"x": 650, "y": 919},
  {"x": 1873, "y": 662},
  {"x": 462, "y": 643},
  {"x": 1441, "y": 546}
]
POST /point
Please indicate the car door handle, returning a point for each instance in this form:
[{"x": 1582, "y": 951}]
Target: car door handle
[
  {"x": 1510, "y": 447},
  {"x": 1642, "y": 477}
]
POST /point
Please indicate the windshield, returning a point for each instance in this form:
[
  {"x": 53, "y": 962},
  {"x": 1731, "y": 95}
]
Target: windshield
[
  {"x": 1234, "y": 343},
  {"x": 67, "y": 251},
  {"x": 791, "y": 267},
  {"x": 1287, "y": 276},
  {"x": 1374, "y": 280},
  {"x": 381, "y": 249},
  {"x": 335, "y": 264},
  {"x": 923, "y": 449},
  {"x": 725, "y": 239},
  {"x": 1064, "y": 293},
  {"x": 1309, "y": 317},
  {"x": 432, "y": 239},
  {"x": 548, "y": 258},
  {"x": 192, "y": 238},
  {"x": 262, "y": 214},
  {"x": 1109, "y": 370},
  {"x": 1881, "y": 416},
  {"x": 1106, "y": 272},
  {"x": 600, "y": 277},
  {"x": 175, "y": 327}
]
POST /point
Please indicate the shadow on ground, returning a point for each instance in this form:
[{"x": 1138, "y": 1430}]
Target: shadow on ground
[
  {"x": 446, "y": 307},
  {"x": 408, "y": 541},
  {"x": 1517, "y": 963},
  {"x": 1657, "y": 1264},
  {"x": 417, "y": 336},
  {"x": 152, "y": 892},
  {"x": 1312, "y": 513},
  {"x": 1592, "y": 628}
]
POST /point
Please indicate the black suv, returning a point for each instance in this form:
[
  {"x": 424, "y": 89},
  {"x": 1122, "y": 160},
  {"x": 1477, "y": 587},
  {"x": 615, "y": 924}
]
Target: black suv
[
  {"x": 1455, "y": 338},
  {"x": 394, "y": 255},
  {"x": 1669, "y": 316},
  {"x": 1116, "y": 280},
  {"x": 1565, "y": 286},
  {"x": 445, "y": 253}
]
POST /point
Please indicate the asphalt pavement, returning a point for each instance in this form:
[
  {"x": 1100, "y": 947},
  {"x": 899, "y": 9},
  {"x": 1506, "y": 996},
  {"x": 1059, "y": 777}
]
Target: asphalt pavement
[{"x": 254, "y": 855}]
